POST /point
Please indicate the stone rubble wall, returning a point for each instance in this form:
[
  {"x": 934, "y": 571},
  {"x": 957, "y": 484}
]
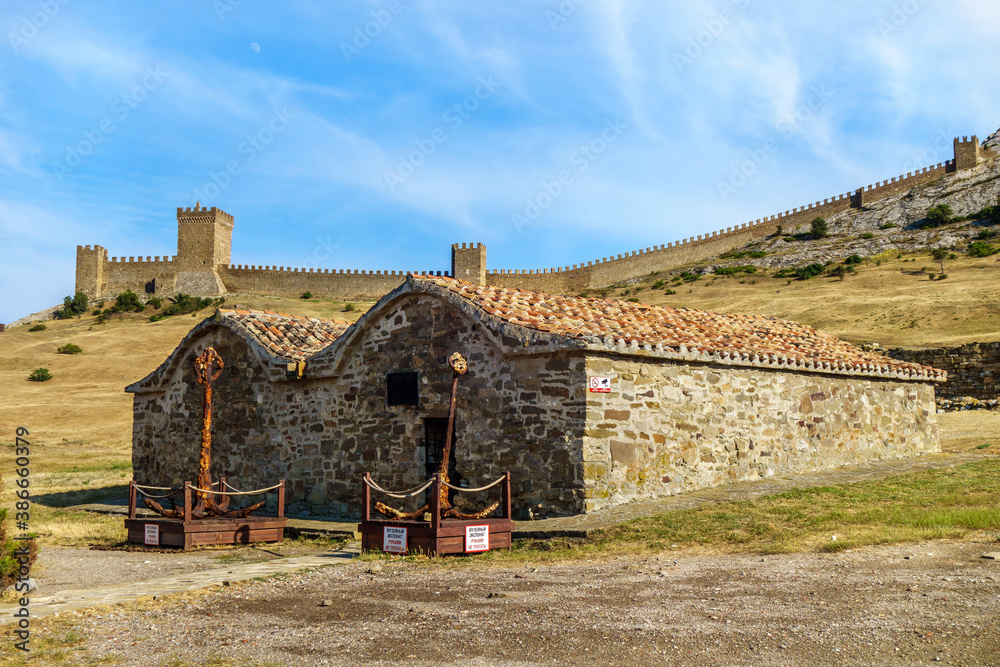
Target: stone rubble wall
[
  {"x": 973, "y": 369},
  {"x": 520, "y": 414},
  {"x": 667, "y": 428}
]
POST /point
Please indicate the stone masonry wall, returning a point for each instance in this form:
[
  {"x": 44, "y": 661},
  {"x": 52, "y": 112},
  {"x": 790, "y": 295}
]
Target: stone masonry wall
[
  {"x": 282, "y": 281},
  {"x": 521, "y": 414},
  {"x": 973, "y": 369},
  {"x": 668, "y": 428}
]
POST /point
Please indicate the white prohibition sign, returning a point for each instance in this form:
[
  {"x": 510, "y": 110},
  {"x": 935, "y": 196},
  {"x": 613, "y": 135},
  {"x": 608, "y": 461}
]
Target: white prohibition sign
[
  {"x": 600, "y": 384},
  {"x": 152, "y": 537},
  {"x": 394, "y": 540},
  {"x": 477, "y": 538}
]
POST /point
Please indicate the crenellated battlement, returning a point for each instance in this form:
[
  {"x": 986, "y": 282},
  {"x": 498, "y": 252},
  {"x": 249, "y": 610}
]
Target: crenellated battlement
[
  {"x": 198, "y": 212},
  {"x": 204, "y": 241}
]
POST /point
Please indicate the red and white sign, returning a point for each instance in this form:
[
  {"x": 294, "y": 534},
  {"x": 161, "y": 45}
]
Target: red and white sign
[
  {"x": 152, "y": 537},
  {"x": 601, "y": 385},
  {"x": 477, "y": 538},
  {"x": 394, "y": 540}
]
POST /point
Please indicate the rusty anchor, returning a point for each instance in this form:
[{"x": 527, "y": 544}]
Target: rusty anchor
[
  {"x": 459, "y": 368},
  {"x": 207, "y": 368}
]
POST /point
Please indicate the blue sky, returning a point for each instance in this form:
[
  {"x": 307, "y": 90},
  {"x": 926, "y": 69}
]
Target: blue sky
[{"x": 373, "y": 134}]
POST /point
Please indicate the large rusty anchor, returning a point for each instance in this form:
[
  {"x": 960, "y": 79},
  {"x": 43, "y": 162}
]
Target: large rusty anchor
[
  {"x": 206, "y": 373},
  {"x": 459, "y": 368}
]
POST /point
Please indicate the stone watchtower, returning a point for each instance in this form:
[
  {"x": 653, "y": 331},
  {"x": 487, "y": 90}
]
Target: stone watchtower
[
  {"x": 968, "y": 152},
  {"x": 204, "y": 241},
  {"x": 469, "y": 263}
]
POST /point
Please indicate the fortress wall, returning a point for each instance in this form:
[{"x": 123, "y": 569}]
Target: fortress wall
[
  {"x": 640, "y": 263},
  {"x": 904, "y": 183},
  {"x": 286, "y": 281},
  {"x": 135, "y": 273}
]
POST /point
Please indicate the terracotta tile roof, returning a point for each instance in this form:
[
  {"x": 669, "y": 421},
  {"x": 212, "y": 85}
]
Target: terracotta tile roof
[
  {"x": 288, "y": 336},
  {"x": 681, "y": 333}
]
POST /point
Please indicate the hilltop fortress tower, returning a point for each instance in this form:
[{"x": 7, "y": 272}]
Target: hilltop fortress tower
[{"x": 203, "y": 265}]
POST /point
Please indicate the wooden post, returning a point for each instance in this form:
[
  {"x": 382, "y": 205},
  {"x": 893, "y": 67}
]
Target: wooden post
[
  {"x": 281, "y": 499},
  {"x": 506, "y": 495},
  {"x": 436, "y": 514},
  {"x": 187, "y": 502},
  {"x": 131, "y": 499},
  {"x": 436, "y": 503},
  {"x": 366, "y": 498}
]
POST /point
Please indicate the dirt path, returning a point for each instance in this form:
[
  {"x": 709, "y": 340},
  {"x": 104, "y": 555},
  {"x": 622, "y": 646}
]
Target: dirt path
[{"x": 898, "y": 605}]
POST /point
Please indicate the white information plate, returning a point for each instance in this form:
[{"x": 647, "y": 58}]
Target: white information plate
[
  {"x": 477, "y": 538},
  {"x": 600, "y": 384},
  {"x": 152, "y": 534},
  {"x": 394, "y": 540}
]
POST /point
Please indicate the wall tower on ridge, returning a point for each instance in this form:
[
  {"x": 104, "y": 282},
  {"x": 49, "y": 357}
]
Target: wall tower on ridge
[{"x": 468, "y": 262}]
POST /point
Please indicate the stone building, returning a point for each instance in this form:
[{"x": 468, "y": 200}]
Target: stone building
[{"x": 587, "y": 402}]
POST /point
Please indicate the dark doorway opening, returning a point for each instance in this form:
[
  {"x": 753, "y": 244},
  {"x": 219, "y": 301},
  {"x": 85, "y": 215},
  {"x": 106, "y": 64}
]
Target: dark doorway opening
[{"x": 435, "y": 431}]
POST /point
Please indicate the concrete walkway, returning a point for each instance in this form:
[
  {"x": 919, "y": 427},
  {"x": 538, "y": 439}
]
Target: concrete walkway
[{"x": 65, "y": 601}]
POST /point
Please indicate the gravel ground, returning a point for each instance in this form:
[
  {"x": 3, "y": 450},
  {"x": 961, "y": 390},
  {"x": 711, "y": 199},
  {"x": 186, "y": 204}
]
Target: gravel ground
[
  {"x": 72, "y": 568},
  {"x": 931, "y": 603}
]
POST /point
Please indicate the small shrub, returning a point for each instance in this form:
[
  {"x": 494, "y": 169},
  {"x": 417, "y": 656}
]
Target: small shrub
[
  {"x": 40, "y": 375},
  {"x": 38, "y": 327},
  {"x": 819, "y": 228},
  {"x": 938, "y": 215},
  {"x": 807, "y": 272},
  {"x": 96, "y": 312},
  {"x": 778, "y": 231},
  {"x": 982, "y": 249},
  {"x": 853, "y": 259},
  {"x": 155, "y": 302},
  {"x": 839, "y": 272},
  {"x": 349, "y": 308},
  {"x": 942, "y": 276},
  {"x": 70, "y": 348},
  {"x": 100, "y": 319},
  {"x": 867, "y": 235},
  {"x": 659, "y": 283},
  {"x": 129, "y": 302},
  {"x": 986, "y": 234},
  {"x": 669, "y": 292},
  {"x": 307, "y": 295},
  {"x": 634, "y": 300},
  {"x": 733, "y": 270},
  {"x": 72, "y": 306},
  {"x": 888, "y": 225}
]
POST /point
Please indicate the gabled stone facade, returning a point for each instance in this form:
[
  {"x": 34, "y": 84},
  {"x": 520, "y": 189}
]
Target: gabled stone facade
[{"x": 695, "y": 399}]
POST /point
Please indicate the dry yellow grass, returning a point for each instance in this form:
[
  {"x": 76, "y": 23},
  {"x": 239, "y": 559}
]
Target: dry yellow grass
[{"x": 893, "y": 304}]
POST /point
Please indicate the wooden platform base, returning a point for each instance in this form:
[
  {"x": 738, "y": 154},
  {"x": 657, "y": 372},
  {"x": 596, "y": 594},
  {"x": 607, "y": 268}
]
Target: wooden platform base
[
  {"x": 178, "y": 533},
  {"x": 450, "y": 536}
]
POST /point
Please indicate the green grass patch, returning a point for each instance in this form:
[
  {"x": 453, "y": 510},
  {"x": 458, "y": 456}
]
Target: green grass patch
[{"x": 935, "y": 504}]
